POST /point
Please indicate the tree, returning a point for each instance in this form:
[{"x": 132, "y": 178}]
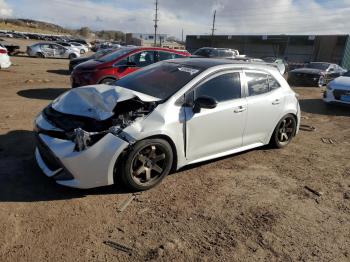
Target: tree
[{"x": 84, "y": 31}]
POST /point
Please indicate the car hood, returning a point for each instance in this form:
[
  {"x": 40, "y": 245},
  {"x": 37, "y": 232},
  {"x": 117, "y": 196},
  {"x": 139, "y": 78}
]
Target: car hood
[
  {"x": 80, "y": 60},
  {"x": 342, "y": 82},
  {"x": 88, "y": 65},
  {"x": 96, "y": 101},
  {"x": 308, "y": 71}
]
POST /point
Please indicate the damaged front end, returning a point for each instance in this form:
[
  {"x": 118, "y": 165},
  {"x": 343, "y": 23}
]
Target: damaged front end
[
  {"x": 98, "y": 114},
  {"x": 85, "y": 142}
]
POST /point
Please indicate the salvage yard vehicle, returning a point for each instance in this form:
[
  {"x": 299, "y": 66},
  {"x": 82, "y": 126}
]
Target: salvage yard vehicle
[
  {"x": 211, "y": 52},
  {"x": 43, "y": 50},
  {"x": 338, "y": 90},
  {"x": 315, "y": 74},
  {"x": 107, "y": 69},
  {"x": 76, "y": 61},
  {"x": 82, "y": 48},
  {"x": 161, "y": 118},
  {"x": 4, "y": 58}
]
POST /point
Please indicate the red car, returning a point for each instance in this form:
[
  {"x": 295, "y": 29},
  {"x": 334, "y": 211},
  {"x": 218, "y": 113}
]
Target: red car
[{"x": 117, "y": 64}]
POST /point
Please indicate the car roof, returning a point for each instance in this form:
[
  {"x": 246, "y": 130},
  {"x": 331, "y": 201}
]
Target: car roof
[
  {"x": 140, "y": 48},
  {"x": 206, "y": 63},
  {"x": 218, "y": 48}
]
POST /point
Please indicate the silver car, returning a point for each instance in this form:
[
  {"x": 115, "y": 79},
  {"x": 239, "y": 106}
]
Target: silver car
[
  {"x": 43, "y": 50},
  {"x": 161, "y": 118}
]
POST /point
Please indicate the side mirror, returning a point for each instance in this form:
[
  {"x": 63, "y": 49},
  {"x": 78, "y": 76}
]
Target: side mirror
[{"x": 204, "y": 102}]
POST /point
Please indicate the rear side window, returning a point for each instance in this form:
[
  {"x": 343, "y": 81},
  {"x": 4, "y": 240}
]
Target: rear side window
[
  {"x": 257, "y": 83},
  {"x": 273, "y": 83},
  {"x": 260, "y": 83},
  {"x": 222, "y": 88}
]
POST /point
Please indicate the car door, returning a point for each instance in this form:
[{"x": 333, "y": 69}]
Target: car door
[
  {"x": 47, "y": 50},
  {"x": 134, "y": 62},
  {"x": 217, "y": 130},
  {"x": 57, "y": 51},
  {"x": 265, "y": 102}
]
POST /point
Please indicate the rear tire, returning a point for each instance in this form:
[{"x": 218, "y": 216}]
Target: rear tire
[
  {"x": 146, "y": 164},
  {"x": 107, "y": 81},
  {"x": 321, "y": 81},
  {"x": 284, "y": 131}
]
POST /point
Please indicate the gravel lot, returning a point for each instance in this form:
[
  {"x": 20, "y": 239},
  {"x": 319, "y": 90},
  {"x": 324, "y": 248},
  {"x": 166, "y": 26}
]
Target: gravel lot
[{"x": 246, "y": 207}]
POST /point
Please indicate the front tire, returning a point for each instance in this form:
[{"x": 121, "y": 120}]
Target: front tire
[
  {"x": 107, "y": 81},
  {"x": 284, "y": 131},
  {"x": 148, "y": 162},
  {"x": 321, "y": 81},
  {"x": 82, "y": 51},
  {"x": 72, "y": 56}
]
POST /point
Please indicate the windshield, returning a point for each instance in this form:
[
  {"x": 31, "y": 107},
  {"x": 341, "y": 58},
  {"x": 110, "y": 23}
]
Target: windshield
[
  {"x": 320, "y": 66},
  {"x": 160, "y": 80},
  {"x": 114, "y": 55},
  {"x": 101, "y": 53}
]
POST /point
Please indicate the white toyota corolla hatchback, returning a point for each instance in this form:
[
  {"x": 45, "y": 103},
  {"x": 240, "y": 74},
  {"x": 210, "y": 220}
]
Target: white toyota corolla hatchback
[{"x": 166, "y": 116}]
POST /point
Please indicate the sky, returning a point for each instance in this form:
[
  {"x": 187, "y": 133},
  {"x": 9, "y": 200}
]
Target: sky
[{"x": 193, "y": 16}]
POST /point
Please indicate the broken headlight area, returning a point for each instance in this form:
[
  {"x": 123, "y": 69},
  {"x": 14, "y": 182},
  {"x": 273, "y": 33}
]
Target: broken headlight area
[{"x": 86, "y": 131}]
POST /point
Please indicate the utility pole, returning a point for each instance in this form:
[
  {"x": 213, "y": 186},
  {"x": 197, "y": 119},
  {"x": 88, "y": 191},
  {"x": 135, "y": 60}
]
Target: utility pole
[
  {"x": 156, "y": 20},
  {"x": 213, "y": 29},
  {"x": 182, "y": 35}
]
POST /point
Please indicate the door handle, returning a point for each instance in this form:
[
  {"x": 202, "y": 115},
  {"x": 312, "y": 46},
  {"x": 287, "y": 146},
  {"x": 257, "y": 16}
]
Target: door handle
[
  {"x": 276, "y": 102},
  {"x": 240, "y": 109}
]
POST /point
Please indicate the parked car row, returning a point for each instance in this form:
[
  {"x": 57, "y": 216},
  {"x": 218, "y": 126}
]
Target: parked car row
[{"x": 44, "y": 37}]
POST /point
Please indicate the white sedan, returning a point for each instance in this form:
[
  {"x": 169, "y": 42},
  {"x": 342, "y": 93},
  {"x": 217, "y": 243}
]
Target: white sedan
[
  {"x": 4, "y": 58},
  {"x": 338, "y": 90},
  {"x": 83, "y": 48},
  {"x": 161, "y": 118}
]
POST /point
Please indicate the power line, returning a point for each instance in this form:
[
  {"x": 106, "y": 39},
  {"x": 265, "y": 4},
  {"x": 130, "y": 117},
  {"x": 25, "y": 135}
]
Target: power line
[{"x": 156, "y": 20}]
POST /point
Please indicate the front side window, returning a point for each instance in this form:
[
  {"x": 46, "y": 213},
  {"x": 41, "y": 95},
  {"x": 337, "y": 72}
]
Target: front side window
[
  {"x": 257, "y": 83},
  {"x": 222, "y": 88},
  {"x": 166, "y": 56}
]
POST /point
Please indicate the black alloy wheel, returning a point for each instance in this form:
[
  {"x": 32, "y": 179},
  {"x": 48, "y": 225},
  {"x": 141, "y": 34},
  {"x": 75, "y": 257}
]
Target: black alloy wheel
[
  {"x": 147, "y": 164},
  {"x": 284, "y": 132}
]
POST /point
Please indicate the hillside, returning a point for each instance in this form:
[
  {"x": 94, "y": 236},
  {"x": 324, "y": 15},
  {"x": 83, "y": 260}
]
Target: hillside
[{"x": 27, "y": 25}]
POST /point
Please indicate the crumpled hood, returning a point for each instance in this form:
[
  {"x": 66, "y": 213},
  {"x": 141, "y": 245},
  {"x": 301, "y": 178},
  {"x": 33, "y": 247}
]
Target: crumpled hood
[
  {"x": 342, "y": 82},
  {"x": 96, "y": 101},
  {"x": 307, "y": 71}
]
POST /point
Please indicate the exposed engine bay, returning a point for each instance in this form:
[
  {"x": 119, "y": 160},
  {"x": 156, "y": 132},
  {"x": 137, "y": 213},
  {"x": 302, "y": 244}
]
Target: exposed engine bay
[{"x": 86, "y": 131}]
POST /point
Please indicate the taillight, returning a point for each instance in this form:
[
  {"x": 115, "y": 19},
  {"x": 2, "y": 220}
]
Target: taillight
[{"x": 3, "y": 51}]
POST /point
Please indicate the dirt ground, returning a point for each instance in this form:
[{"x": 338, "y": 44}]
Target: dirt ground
[{"x": 247, "y": 207}]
